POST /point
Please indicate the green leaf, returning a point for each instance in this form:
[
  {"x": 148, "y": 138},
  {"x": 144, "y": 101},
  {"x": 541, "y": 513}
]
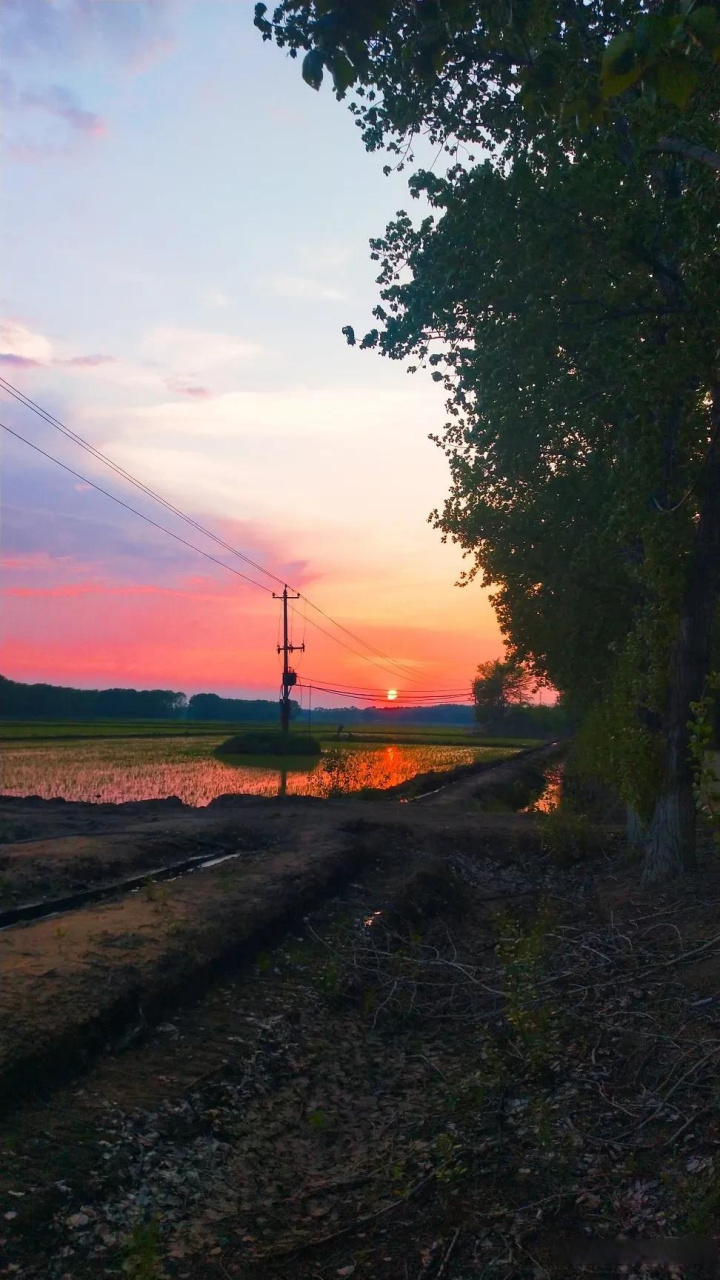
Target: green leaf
[
  {"x": 654, "y": 33},
  {"x": 704, "y": 24},
  {"x": 676, "y": 81},
  {"x": 619, "y": 55},
  {"x": 614, "y": 85},
  {"x": 343, "y": 73},
  {"x": 312, "y": 68},
  {"x": 620, "y": 65}
]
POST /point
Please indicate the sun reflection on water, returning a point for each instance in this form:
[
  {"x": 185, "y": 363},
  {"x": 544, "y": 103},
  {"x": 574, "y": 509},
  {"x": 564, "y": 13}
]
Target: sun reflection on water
[{"x": 551, "y": 795}]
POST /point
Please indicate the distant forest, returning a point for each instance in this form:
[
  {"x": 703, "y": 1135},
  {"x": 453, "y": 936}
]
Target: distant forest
[
  {"x": 519, "y": 721},
  {"x": 57, "y": 702}
]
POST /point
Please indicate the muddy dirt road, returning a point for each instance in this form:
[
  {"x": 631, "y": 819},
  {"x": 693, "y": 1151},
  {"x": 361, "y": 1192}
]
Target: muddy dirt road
[
  {"x": 431, "y": 1073},
  {"x": 87, "y": 974}
]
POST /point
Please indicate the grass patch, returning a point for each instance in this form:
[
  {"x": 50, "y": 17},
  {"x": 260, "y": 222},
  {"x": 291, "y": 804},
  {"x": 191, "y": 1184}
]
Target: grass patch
[
  {"x": 409, "y": 735},
  {"x": 569, "y": 836}
]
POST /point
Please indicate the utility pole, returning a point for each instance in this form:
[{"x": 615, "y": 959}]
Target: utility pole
[{"x": 289, "y": 678}]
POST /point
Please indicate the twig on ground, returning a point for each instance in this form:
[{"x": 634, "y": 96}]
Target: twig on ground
[
  {"x": 303, "y": 1245},
  {"x": 688, "y": 1123},
  {"x": 446, "y": 1259}
]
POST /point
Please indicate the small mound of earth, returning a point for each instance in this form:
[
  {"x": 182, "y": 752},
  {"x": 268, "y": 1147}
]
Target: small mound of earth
[{"x": 268, "y": 742}]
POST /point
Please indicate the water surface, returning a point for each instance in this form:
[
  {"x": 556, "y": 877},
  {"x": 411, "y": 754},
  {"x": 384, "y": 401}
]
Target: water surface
[{"x": 116, "y": 770}]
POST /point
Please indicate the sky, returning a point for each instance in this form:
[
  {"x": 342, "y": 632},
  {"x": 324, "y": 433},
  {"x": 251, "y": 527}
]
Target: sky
[{"x": 186, "y": 227}]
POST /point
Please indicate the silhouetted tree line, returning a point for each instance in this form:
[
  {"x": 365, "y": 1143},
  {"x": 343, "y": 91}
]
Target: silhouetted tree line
[
  {"x": 520, "y": 721},
  {"x": 209, "y": 706},
  {"x": 55, "y": 702}
]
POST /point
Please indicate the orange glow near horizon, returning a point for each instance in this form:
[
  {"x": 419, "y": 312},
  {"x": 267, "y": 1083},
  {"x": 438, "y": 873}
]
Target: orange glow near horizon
[
  {"x": 209, "y": 636},
  {"x": 90, "y": 623}
]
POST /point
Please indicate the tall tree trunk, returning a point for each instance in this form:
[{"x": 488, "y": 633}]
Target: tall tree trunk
[{"x": 670, "y": 841}]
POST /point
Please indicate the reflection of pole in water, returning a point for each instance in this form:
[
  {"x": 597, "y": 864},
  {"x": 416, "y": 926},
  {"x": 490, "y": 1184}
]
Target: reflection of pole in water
[{"x": 282, "y": 790}]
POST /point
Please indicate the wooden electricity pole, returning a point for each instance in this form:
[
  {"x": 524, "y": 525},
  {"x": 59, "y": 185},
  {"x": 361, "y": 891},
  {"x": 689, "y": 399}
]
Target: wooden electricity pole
[{"x": 289, "y": 678}]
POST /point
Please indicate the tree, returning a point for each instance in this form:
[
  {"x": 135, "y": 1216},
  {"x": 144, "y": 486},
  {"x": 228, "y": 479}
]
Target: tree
[
  {"x": 59, "y": 702},
  {"x": 498, "y": 686},
  {"x": 209, "y": 706},
  {"x": 569, "y": 378},
  {"x": 572, "y": 283},
  {"x": 510, "y": 75}
]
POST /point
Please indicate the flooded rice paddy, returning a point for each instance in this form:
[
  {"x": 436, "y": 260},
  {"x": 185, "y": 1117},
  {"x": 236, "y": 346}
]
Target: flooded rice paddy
[{"x": 117, "y": 770}]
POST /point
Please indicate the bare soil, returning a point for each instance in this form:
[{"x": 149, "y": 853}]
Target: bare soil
[
  {"x": 458, "y": 1065},
  {"x": 76, "y": 982},
  {"x": 384, "y": 1040}
]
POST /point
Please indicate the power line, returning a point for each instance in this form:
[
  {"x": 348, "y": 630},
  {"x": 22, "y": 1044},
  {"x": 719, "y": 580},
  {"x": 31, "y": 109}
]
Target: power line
[
  {"x": 54, "y": 422},
  {"x": 337, "y": 640},
  {"x": 401, "y": 697},
  {"x": 409, "y": 673},
  {"x": 426, "y": 700},
  {"x": 363, "y": 688},
  {"x": 134, "y": 510},
  {"x": 126, "y": 475}
]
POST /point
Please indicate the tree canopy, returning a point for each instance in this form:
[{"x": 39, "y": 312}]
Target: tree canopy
[
  {"x": 564, "y": 289},
  {"x": 58, "y": 701},
  {"x": 497, "y": 687},
  {"x": 505, "y": 75}
]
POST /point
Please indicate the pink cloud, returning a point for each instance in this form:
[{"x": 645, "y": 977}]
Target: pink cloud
[
  {"x": 86, "y": 362},
  {"x": 54, "y": 100},
  {"x": 131, "y": 35},
  {"x": 29, "y": 350},
  {"x": 184, "y": 389},
  {"x": 19, "y": 362},
  {"x": 64, "y": 105},
  {"x": 198, "y": 393},
  {"x": 28, "y": 560},
  {"x": 77, "y": 589},
  {"x": 197, "y": 590}
]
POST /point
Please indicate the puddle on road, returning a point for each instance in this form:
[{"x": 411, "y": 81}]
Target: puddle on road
[
  {"x": 551, "y": 795},
  {"x": 372, "y": 919}
]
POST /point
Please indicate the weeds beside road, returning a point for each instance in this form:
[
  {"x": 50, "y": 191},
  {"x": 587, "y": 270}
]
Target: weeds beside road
[{"x": 449, "y": 1066}]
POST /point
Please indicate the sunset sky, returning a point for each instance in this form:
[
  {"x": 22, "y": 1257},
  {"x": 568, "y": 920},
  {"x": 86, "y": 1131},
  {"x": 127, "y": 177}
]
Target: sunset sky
[{"x": 186, "y": 228}]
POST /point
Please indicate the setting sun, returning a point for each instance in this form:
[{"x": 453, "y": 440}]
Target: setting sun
[{"x": 392, "y": 695}]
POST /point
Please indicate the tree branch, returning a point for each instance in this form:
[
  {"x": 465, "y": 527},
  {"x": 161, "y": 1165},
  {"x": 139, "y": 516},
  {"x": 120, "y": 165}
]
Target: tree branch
[{"x": 690, "y": 150}]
